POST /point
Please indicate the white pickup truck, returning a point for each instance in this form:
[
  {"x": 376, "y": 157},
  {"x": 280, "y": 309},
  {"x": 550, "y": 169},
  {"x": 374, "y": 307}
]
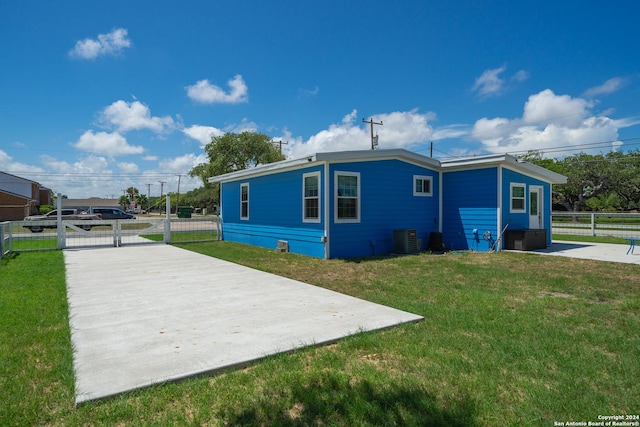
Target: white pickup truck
[{"x": 67, "y": 214}]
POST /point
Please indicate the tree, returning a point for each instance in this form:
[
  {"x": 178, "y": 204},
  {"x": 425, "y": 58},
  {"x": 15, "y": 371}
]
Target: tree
[
  {"x": 200, "y": 198},
  {"x": 598, "y": 182},
  {"x": 624, "y": 179},
  {"x": 232, "y": 151}
]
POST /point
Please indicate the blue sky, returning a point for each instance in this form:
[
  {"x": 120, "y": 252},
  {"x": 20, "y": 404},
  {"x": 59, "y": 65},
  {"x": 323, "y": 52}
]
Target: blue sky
[{"x": 99, "y": 96}]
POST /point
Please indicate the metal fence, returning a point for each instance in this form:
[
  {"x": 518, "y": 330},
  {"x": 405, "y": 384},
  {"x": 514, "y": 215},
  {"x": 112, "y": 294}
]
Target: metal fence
[
  {"x": 596, "y": 224},
  {"x": 21, "y": 236}
]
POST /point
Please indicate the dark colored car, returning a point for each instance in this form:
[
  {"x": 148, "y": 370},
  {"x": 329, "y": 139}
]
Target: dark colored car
[{"x": 112, "y": 213}]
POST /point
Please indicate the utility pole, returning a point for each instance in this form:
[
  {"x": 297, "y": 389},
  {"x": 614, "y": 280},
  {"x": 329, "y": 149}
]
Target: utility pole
[
  {"x": 178, "y": 197},
  {"x": 161, "y": 187},
  {"x": 374, "y": 141},
  {"x": 280, "y": 143},
  {"x": 431, "y": 150},
  {"x": 148, "y": 197}
]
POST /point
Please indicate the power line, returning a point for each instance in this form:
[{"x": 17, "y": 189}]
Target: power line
[{"x": 560, "y": 148}]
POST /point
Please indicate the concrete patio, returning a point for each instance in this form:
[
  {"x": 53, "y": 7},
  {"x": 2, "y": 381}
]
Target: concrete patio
[{"x": 142, "y": 315}]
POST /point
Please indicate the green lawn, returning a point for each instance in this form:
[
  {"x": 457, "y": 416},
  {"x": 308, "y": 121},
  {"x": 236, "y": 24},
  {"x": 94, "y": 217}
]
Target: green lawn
[{"x": 508, "y": 339}]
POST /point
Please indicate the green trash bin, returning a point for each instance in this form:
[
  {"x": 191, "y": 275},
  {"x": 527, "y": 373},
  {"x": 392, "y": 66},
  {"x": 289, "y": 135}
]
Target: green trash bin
[{"x": 184, "y": 211}]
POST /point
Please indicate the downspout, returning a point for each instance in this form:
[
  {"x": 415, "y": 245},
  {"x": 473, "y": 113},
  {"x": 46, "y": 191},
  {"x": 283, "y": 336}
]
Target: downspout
[
  {"x": 499, "y": 210},
  {"x": 220, "y": 224},
  {"x": 440, "y": 200},
  {"x": 326, "y": 204}
]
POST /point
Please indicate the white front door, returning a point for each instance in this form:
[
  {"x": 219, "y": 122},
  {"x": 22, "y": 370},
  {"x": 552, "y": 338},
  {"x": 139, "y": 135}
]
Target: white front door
[{"x": 535, "y": 207}]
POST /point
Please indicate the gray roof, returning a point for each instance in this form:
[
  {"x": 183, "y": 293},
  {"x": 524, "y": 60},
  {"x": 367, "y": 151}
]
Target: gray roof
[{"x": 396, "y": 154}]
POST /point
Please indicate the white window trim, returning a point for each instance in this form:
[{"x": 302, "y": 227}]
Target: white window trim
[
  {"x": 524, "y": 197},
  {"x": 335, "y": 198},
  {"x": 304, "y": 198},
  {"x": 423, "y": 193},
  {"x": 244, "y": 184}
]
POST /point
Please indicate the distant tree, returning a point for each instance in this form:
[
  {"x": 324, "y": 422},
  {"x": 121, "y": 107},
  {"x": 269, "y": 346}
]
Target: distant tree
[
  {"x": 123, "y": 201},
  {"x": 587, "y": 176},
  {"x": 603, "y": 182},
  {"x": 624, "y": 179},
  {"x": 142, "y": 201},
  {"x": 232, "y": 151},
  {"x": 201, "y": 197}
]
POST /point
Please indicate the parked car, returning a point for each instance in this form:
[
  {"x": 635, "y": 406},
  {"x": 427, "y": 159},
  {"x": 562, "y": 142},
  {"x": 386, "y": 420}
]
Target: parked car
[
  {"x": 112, "y": 213},
  {"x": 67, "y": 214}
]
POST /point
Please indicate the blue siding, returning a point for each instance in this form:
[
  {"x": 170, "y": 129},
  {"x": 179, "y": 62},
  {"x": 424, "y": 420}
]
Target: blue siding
[
  {"x": 275, "y": 213},
  {"x": 519, "y": 221},
  {"x": 469, "y": 202},
  {"x": 387, "y": 203},
  {"x": 301, "y": 240}
]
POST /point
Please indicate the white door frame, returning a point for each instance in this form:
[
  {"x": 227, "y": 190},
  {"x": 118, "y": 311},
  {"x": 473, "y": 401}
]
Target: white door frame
[{"x": 536, "y": 219}]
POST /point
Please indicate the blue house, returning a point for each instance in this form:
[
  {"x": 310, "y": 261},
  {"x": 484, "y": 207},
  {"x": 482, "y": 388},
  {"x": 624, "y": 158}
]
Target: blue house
[{"x": 361, "y": 203}]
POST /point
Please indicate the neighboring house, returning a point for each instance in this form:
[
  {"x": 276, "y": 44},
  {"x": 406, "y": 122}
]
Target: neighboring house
[
  {"x": 20, "y": 197},
  {"x": 360, "y": 203}
]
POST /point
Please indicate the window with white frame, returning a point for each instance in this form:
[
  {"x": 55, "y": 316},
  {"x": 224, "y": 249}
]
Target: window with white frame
[
  {"x": 518, "y": 192},
  {"x": 311, "y": 197},
  {"x": 347, "y": 197},
  {"x": 244, "y": 201},
  {"x": 422, "y": 185}
]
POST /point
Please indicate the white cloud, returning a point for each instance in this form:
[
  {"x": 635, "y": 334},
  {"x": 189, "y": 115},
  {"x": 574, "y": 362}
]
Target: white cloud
[
  {"x": 111, "y": 43},
  {"x": 125, "y": 116},
  {"x": 549, "y": 122},
  {"x": 491, "y": 84},
  {"x": 310, "y": 92},
  {"x": 150, "y": 158},
  {"x": 111, "y": 144},
  {"x": 612, "y": 85},
  {"x": 400, "y": 129},
  {"x": 17, "y": 168},
  {"x": 128, "y": 167},
  {"x": 202, "y": 133},
  {"x": 90, "y": 176},
  {"x": 244, "y": 126},
  {"x": 403, "y": 128},
  {"x": 563, "y": 110},
  {"x": 182, "y": 163},
  {"x": 520, "y": 76},
  {"x": 206, "y": 93}
]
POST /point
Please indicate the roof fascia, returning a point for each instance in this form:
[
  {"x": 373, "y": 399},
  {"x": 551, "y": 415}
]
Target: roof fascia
[
  {"x": 508, "y": 161},
  {"x": 19, "y": 177}
]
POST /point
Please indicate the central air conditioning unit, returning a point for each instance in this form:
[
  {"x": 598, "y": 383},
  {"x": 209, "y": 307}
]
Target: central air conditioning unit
[{"x": 405, "y": 241}]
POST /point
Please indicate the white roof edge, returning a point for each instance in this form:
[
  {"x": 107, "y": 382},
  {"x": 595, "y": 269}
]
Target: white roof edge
[
  {"x": 543, "y": 173},
  {"x": 283, "y": 164},
  {"x": 508, "y": 160}
]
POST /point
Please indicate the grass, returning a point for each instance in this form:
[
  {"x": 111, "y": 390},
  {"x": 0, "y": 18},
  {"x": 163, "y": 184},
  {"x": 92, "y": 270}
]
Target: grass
[
  {"x": 508, "y": 338},
  {"x": 36, "y": 374},
  {"x": 591, "y": 239}
]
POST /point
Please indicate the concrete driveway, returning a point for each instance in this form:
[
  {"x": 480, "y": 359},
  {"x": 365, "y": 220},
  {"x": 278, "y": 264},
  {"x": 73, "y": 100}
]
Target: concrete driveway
[
  {"x": 143, "y": 315},
  {"x": 594, "y": 251}
]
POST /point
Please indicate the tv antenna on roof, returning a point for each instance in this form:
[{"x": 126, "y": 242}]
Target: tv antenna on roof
[{"x": 374, "y": 140}]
